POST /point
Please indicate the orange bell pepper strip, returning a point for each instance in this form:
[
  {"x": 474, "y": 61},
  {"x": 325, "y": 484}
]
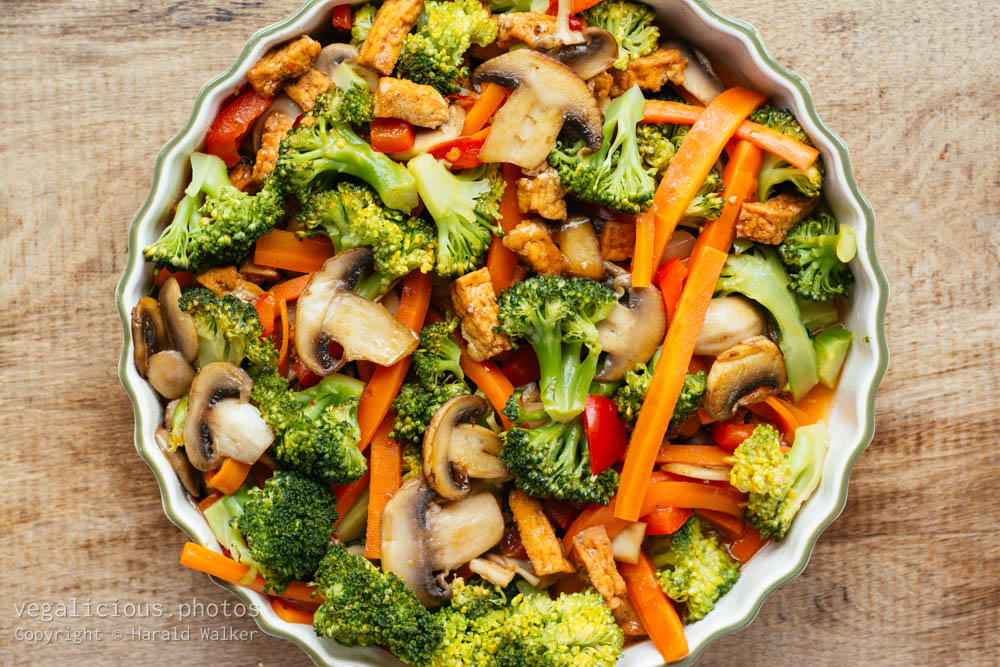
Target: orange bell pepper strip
[
  {"x": 386, "y": 472},
  {"x": 385, "y": 382},
  {"x": 655, "y": 609},
  {"x": 265, "y": 306},
  {"x": 667, "y": 381},
  {"x": 280, "y": 249},
  {"x": 790, "y": 150},
  {"x": 730, "y": 526},
  {"x": 693, "y": 495},
  {"x": 501, "y": 261},
  {"x": 747, "y": 544},
  {"x": 699, "y": 455},
  {"x": 492, "y": 97},
  {"x": 196, "y": 557},
  {"x": 740, "y": 179},
  {"x": 229, "y": 477},
  {"x": 695, "y": 158}
]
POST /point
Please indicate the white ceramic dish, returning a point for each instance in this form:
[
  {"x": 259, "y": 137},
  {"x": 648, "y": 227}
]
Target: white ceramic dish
[{"x": 851, "y": 421}]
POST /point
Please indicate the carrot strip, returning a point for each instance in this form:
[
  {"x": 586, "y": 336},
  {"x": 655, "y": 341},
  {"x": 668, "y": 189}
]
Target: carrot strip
[
  {"x": 348, "y": 494},
  {"x": 729, "y": 525},
  {"x": 290, "y": 290},
  {"x": 815, "y": 406},
  {"x": 265, "y": 312},
  {"x": 740, "y": 179},
  {"x": 287, "y": 612},
  {"x": 594, "y": 515},
  {"x": 642, "y": 258},
  {"x": 283, "y": 352},
  {"x": 229, "y": 477},
  {"x": 695, "y": 158},
  {"x": 196, "y": 557},
  {"x": 655, "y": 609},
  {"x": 386, "y": 471},
  {"x": 699, "y": 455},
  {"x": 666, "y": 521},
  {"x": 501, "y": 261},
  {"x": 284, "y": 250},
  {"x": 488, "y": 377},
  {"x": 790, "y": 150},
  {"x": 385, "y": 382},
  {"x": 747, "y": 544},
  {"x": 667, "y": 382},
  {"x": 479, "y": 114},
  {"x": 693, "y": 495}
]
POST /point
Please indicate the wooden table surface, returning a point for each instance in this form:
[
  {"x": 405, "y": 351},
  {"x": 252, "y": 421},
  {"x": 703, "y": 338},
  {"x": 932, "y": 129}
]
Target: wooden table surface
[{"x": 909, "y": 574}]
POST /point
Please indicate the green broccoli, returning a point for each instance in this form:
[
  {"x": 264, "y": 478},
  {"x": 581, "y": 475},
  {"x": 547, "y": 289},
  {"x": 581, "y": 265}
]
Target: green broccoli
[
  {"x": 287, "y": 526},
  {"x": 817, "y": 315},
  {"x": 434, "y": 51},
  {"x": 773, "y": 170},
  {"x": 778, "y": 483},
  {"x": 221, "y": 515},
  {"x": 352, "y": 215},
  {"x": 228, "y": 329},
  {"x": 815, "y": 253},
  {"x": 694, "y": 568},
  {"x": 558, "y": 316},
  {"x": 553, "y": 461},
  {"x": 515, "y": 412},
  {"x": 465, "y": 207},
  {"x": 361, "y": 23},
  {"x": 630, "y": 396},
  {"x": 364, "y": 606},
  {"x": 831, "y": 347},
  {"x": 613, "y": 176},
  {"x": 657, "y": 146},
  {"x": 758, "y": 275},
  {"x": 215, "y": 223},
  {"x": 507, "y": 6},
  {"x": 632, "y": 24},
  {"x": 316, "y": 430}
]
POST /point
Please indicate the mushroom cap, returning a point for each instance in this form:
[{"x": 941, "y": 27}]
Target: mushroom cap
[
  {"x": 181, "y": 324},
  {"x": 745, "y": 374},
  {"x": 332, "y": 55},
  {"x": 460, "y": 531},
  {"x": 182, "y": 467},
  {"x": 631, "y": 332},
  {"x": 213, "y": 383},
  {"x": 455, "y": 448},
  {"x": 170, "y": 373},
  {"x": 149, "y": 332},
  {"x": 578, "y": 243},
  {"x": 729, "y": 320},
  {"x": 592, "y": 56}
]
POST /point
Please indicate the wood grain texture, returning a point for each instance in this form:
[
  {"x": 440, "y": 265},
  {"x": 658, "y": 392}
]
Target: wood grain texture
[{"x": 908, "y": 574}]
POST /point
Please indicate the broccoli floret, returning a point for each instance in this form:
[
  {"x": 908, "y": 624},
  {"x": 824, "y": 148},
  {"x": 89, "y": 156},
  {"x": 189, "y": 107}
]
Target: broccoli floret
[
  {"x": 778, "y": 483},
  {"x": 613, "y": 176},
  {"x": 287, "y": 526},
  {"x": 228, "y": 329},
  {"x": 364, "y": 606},
  {"x": 815, "y": 253},
  {"x": 505, "y": 6},
  {"x": 436, "y": 359},
  {"x": 773, "y": 170},
  {"x": 352, "y": 215},
  {"x": 465, "y": 207},
  {"x": 348, "y": 101},
  {"x": 316, "y": 430},
  {"x": 434, "y": 51},
  {"x": 695, "y": 569},
  {"x": 176, "y": 438},
  {"x": 630, "y": 396},
  {"x": 321, "y": 149},
  {"x": 515, "y": 412},
  {"x": 221, "y": 516},
  {"x": 707, "y": 203},
  {"x": 215, "y": 223},
  {"x": 361, "y": 23},
  {"x": 657, "y": 145},
  {"x": 553, "y": 461},
  {"x": 558, "y": 316},
  {"x": 632, "y": 24},
  {"x": 758, "y": 275}
]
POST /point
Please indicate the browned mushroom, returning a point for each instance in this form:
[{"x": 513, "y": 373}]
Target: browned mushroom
[
  {"x": 590, "y": 57},
  {"x": 182, "y": 467},
  {"x": 170, "y": 373},
  {"x": 698, "y": 77},
  {"x": 181, "y": 324},
  {"x": 744, "y": 374},
  {"x": 329, "y": 311},
  {"x": 579, "y": 245},
  {"x": 631, "y": 333},
  {"x": 149, "y": 332},
  {"x": 458, "y": 532},
  {"x": 547, "y": 95},
  {"x": 456, "y": 448}
]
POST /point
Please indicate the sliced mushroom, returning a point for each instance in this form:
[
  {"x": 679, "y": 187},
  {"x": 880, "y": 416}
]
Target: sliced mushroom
[
  {"x": 220, "y": 420},
  {"x": 425, "y": 139},
  {"x": 745, "y": 374},
  {"x": 405, "y": 542},
  {"x": 711, "y": 473},
  {"x": 282, "y": 104},
  {"x": 699, "y": 80},
  {"x": 579, "y": 245},
  {"x": 456, "y": 448},
  {"x": 149, "y": 332},
  {"x": 729, "y": 320},
  {"x": 329, "y": 311},
  {"x": 590, "y": 57},
  {"x": 547, "y": 95},
  {"x": 185, "y": 472},
  {"x": 181, "y": 324},
  {"x": 459, "y": 532},
  {"x": 332, "y": 55},
  {"x": 631, "y": 333},
  {"x": 170, "y": 373},
  {"x": 496, "y": 574}
]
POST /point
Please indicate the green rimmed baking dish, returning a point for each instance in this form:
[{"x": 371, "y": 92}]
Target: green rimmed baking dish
[{"x": 852, "y": 420}]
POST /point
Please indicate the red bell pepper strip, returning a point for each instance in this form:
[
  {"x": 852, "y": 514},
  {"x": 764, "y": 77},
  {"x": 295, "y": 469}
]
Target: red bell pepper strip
[
  {"x": 461, "y": 152},
  {"x": 560, "y": 512},
  {"x": 391, "y": 135},
  {"x": 666, "y": 521},
  {"x": 183, "y": 278},
  {"x": 606, "y": 437},
  {"x": 521, "y": 366},
  {"x": 306, "y": 377},
  {"x": 730, "y": 434},
  {"x": 342, "y": 17},
  {"x": 670, "y": 279},
  {"x": 231, "y": 125}
]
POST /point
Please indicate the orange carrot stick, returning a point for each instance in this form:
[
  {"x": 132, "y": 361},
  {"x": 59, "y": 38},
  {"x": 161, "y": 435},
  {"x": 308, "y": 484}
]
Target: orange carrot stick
[
  {"x": 740, "y": 179},
  {"x": 790, "y": 150},
  {"x": 290, "y": 290},
  {"x": 501, "y": 261},
  {"x": 196, "y": 557},
  {"x": 386, "y": 471},
  {"x": 699, "y": 455},
  {"x": 229, "y": 477},
  {"x": 729, "y": 525},
  {"x": 385, "y": 382},
  {"x": 655, "y": 609},
  {"x": 693, "y": 495},
  {"x": 479, "y": 114},
  {"x": 642, "y": 258},
  {"x": 283, "y": 352},
  {"x": 348, "y": 494},
  {"x": 668, "y": 379},
  {"x": 747, "y": 544},
  {"x": 287, "y": 612},
  {"x": 488, "y": 377},
  {"x": 284, "y": 250}
]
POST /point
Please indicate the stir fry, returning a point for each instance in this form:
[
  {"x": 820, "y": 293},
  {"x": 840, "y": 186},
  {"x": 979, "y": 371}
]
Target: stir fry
[{"x": 496, "y": 335}]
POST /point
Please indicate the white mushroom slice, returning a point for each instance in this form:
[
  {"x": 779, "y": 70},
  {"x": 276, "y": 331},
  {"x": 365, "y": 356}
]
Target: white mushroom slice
[
  {"x": 744, "y": 374},
  {"x": 593, "y": 55},
  {"x": 367, "y": 330},
  {"x": 182, "y": 467},
  {"x": 711, "y": 473},
  {"x": 628, "y": 543},
  {"x": 631, "y": 332},
  {"x": 149, "y": 332},
  {"x": 238, "y": 430},
  {"x": 455, "y": 448},
  {"x": 698, "y": 77},
  {"x": 579, "y": 245},
  {"x": 332, "y": 55},
  {"x": 496, "y": 574},
  {"x": 729, "y": 320},
  {"x": 170, "y": 374},
  {"x": 459, "y": 532},
  {"x": 181, "y": 324}
]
